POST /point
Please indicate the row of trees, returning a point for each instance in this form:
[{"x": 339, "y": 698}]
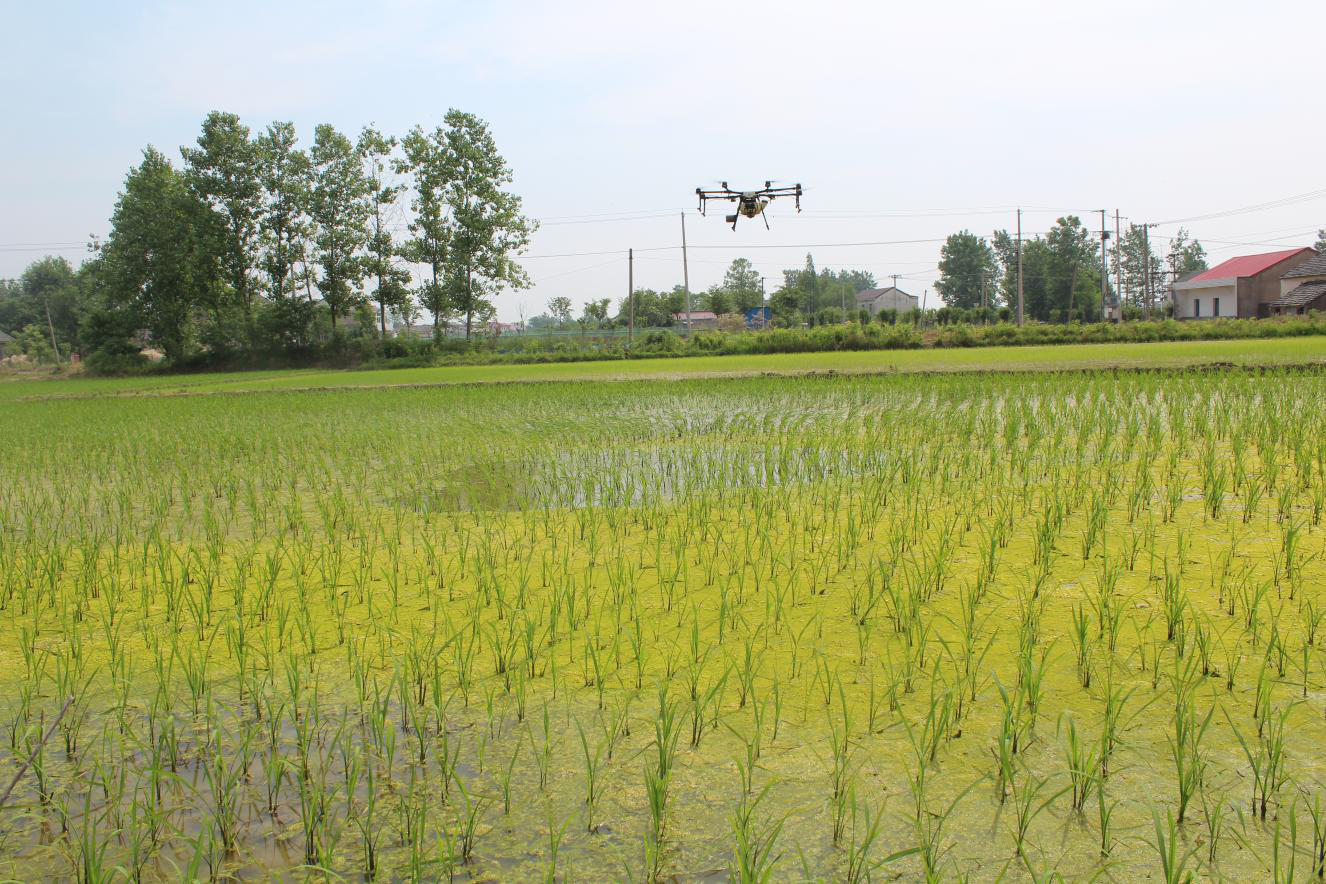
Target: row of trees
[
  {"x": 43, "y": 308},
  {"x": 252, "y": 238},
  {"x": 1061, "y": 281},
  {"x": 805, "y": 295},
  {"x": 1061, "y": 271}
]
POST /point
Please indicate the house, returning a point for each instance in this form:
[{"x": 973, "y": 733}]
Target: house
[
  {"x": 891, "y": 298},
  {"x": 698, "y": 319},
  {"x": 5, "y": 339},
  {"x": 1243, "y": 287},
  {"x": 1303, "y": 288}
]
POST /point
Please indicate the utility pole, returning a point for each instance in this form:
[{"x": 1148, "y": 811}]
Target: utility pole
[
  {"x": 685, "y": 274},
  {"x": 630, "y": 297},
  {"x": 51, "y": 327},
  {"x": 1118, "y": 265},
  {"x": 764, "y": 308},
  {"x": 1146, "y": 268},
  {"x": 1019, "y": 266},
  {"x": 1104, "y": 264}
]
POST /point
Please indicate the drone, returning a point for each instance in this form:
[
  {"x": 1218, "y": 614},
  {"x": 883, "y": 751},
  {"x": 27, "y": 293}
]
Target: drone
[{"x": 749, "y": 202}]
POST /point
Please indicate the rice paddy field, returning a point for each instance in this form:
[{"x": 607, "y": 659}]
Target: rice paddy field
[{"x": 1020, "y": 627}]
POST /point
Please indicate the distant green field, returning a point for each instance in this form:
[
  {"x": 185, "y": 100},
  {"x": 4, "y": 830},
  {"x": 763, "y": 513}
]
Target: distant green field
[{"x": 1278, "y": 351}]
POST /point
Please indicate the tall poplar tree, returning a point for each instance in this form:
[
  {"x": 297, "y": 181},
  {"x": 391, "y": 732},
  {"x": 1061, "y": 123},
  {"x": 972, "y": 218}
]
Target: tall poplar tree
[
  {"x": 223, "y": 172},
  {"x": 424, "y": 161},
  {"x": 487, "y": 225},
  {"x": 391, "y": 282},
  {"x": 159, "y": 261},
  {"x": 340, "y": 207},
  {"x": 283, "y": 171}
]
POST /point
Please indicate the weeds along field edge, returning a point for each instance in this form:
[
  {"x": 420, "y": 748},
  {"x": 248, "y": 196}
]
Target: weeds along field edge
[
  {"x": 1284, "y": 352},
  {"x": 792, "y": 628}
]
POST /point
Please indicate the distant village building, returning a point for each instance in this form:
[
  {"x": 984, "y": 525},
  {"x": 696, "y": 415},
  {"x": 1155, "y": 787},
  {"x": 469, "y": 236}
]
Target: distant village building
[
  {"x": 1244, "y": 288},
  {"x": 890, "y": 298},
  {"x": 5, "y": 339},
  {"x": 1303, "y": 288},
  {"x": 423, "y": 332},
  {"x": 698, "y": 319}
]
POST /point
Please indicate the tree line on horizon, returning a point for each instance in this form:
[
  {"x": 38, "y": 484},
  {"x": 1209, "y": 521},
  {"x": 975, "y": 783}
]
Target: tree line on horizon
[
  {"x": 1061, "y": 282},
  {"x": 1061, "y": 271}
]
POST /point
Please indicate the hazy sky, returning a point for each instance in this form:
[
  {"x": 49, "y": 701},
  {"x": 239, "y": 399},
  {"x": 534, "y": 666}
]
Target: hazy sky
[{"x": 904, "y": 122}]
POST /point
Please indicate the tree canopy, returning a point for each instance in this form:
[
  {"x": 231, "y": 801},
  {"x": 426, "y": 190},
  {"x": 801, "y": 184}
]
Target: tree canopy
[
  {"x": 967, "y": 271},
  {"x": 251, "y": 237}
]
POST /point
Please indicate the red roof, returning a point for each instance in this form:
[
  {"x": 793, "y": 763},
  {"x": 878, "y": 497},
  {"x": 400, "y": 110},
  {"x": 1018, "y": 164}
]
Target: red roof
[{"x": 1248, "y": 265}]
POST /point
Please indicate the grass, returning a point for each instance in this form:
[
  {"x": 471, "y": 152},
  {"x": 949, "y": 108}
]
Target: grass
[
  {"x": 778, "y": 628},
  {"x": 1177, "y": 354}
]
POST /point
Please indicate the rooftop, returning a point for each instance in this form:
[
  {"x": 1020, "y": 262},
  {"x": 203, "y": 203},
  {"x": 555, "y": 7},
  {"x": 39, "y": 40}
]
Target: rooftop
[
  {"x": 1303, "y": 294},
  {"x": 696, "y": 314},
  {"x": 1314, "y": 267},
  {"x": 872, "y": 294},
  {"x": 1247, "y": 265}
]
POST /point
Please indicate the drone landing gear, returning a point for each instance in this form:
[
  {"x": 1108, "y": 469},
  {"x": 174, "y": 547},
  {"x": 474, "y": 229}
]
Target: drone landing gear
[
  {"x": 766, "y": 220},
  {"x": 731, "y": 219}
]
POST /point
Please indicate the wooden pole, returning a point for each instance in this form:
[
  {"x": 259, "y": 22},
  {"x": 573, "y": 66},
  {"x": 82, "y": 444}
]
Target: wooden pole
[
  {"x": 1118, "y": 266},
  {"x": 1019, "y": 266},
  {"x": 630, "y": 296},
  {"x": 1146, "y": 268},
  {"x": 1104, "y": 265},
  {"x": 685, "y": 275}
]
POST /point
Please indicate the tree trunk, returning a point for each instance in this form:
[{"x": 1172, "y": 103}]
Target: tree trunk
[
  {"x": 51, "y": 327},
  {"x": 469, "y": 299},
  {"x": 436, "y": 319},
  {"x": 1072, "y": 293}
]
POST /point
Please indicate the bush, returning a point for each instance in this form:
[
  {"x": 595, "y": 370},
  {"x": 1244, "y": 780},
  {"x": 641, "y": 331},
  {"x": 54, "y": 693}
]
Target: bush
[
  {"x": 963, "y": 329},
  {"x": 107, "y": 362},
  {"x": 661, "y": 341}
]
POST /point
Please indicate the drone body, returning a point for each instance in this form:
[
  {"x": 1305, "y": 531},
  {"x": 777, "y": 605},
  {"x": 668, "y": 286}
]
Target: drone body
[{"x": 750, "y": 203}]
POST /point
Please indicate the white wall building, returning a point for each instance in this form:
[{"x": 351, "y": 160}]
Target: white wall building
[{"x": 890, "y": 298}]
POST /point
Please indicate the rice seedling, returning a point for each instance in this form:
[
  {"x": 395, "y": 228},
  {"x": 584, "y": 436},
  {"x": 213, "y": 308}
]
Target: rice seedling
[
  {"x": 754, "y": 856},
  {"x": 1174, "y": 861},
  {"x": 276, "y": 619}
]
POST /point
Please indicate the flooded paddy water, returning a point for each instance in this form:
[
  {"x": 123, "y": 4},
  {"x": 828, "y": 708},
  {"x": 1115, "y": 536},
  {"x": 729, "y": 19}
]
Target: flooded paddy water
[{"x": 983, "y": 627}]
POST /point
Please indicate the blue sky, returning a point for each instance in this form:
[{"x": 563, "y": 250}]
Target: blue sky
[{"x": 904, "y": 122}]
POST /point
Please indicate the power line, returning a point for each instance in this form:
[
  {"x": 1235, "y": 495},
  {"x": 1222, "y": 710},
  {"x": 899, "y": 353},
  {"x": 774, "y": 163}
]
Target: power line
[
  {"x": 744, "y": 247},
  {"x": 1226, "y": 243},
  {"x": 544, "y": 223},
  {"x": 577, "y": 270},
  {"x": 1257, "y": 207}
]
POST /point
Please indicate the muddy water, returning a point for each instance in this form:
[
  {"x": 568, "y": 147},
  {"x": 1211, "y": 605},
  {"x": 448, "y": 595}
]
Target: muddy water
[{"x": 794, "y": 569}]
